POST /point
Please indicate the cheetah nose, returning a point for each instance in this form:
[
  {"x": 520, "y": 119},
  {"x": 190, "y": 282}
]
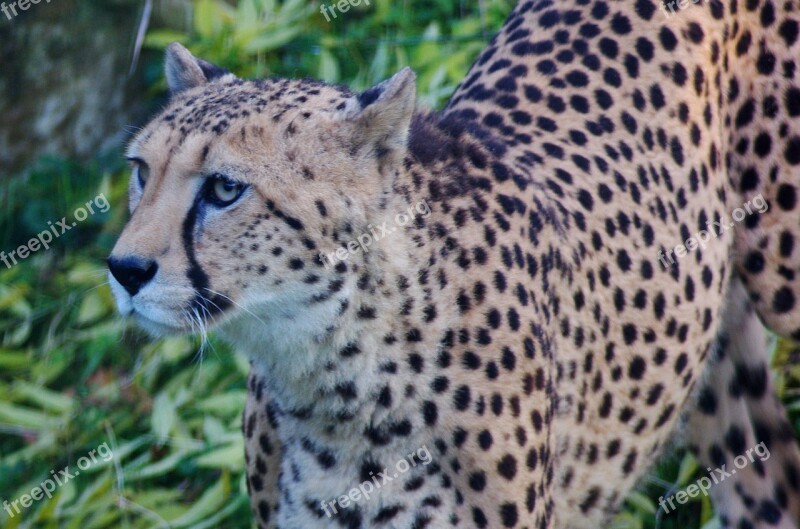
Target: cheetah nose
[{"x": 132, "y": 272}]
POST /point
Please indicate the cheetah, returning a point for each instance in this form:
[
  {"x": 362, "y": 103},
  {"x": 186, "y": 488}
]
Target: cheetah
[{"x": 479, "y": 293}]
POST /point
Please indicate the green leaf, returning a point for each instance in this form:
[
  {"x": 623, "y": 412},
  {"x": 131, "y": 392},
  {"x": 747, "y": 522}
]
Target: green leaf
[
  {"x": 25, "y": 417},
  {"x": 225, "y": 404},
  {"x": 687, "y": 469},
  {"x": 240, "y": 502},
  {"x": 161, "y": 38},
  {"x": 13, "y": 359},
  {"x": 160, "y": 468},
  {"x": 229, "y": 457},
  {"x": 626, "y": 520},
  {"x": 328, "y": 67},
  {"x": 213, "y": 430},
  {"x": 205, "y": 17},
  {"x": 163, "y": 416},
  {"x": 92, "y": 308},
  {"x": 211, "y": 500},
  {"x": 642, "y": 503},
  {"x": 43, "y": 397},
  {"x": 175, "y": 348},
  {"x": 271, "y": 40}
]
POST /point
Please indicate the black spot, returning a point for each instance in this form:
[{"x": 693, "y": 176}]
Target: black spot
[
  {"x": 707, "y": 401},
  {"x": 485, "y": 440},
  {"x": 769, "y": 512},
  {"x": 792, "y": 152},
  {"x": 263, "y": 511},
  {"x": 749, "y": 180},
  {"x": 792, "y": 99},
  {"x": 585, "y": 198},
  {"x": 577, "y": 78},
  {"x": 668, "y": 39},
  {"x": 783, "y": 300},
  {"x": 477, "y": 481},
  {"x": 787, "y": 197},
  {"x": 762, "y": 145},
  {"x": 509, "y": 515},
  {"x": 695, "y": 32},
  {"x": 636, "y": 368},
  {"x": 789, "y": 30},
  {"x": 346, "y": 390},
  {"x": 507, "y": 467},
  {"x": 645, "y": 49},
  {"x": 387, "y": 513},
  {"x": 385, "y": 397},
  {"x": 479, "y": 518},
  {"x": 430, "y": 412},
  {"x": 735, "y": 440},
  {"x": 754, "y": 262},
  {"x": 745, "y": 115},
  {"x": 786, "y": 244},
  {"x": 590, "y": 500},
  {"x": 461, "y": 398}
]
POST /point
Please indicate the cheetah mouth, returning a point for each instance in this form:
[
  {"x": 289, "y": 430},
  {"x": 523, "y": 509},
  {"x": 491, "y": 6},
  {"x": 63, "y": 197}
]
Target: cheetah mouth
[
  {"x": 198, "y": 316},
  {"x": 160, "y": 325},
  {"x": 167, "y": 315},
  {"x": 160, "y": 321}
]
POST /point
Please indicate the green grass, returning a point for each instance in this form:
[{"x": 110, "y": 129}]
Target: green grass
[{"x": 73, "y": 376}]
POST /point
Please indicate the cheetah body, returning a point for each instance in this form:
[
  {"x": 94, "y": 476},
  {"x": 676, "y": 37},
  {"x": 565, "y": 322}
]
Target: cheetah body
[{"x": 520, "y": 326}]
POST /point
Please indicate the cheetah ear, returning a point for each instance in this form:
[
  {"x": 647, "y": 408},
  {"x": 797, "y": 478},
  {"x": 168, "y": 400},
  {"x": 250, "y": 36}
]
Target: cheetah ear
[
  {"x": 382, "y": 114},
  {"x": 185, "y": 71}
]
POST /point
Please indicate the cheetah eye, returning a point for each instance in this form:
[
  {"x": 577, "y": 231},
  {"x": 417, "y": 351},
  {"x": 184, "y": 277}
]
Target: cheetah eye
[
  {"x": 223, "y": 191},
  {"x": 141, "y": 171}
]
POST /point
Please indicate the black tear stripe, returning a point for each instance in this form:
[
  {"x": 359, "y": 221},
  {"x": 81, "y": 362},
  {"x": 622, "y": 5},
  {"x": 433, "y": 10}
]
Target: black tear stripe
[{"x": 211, "y": 304}]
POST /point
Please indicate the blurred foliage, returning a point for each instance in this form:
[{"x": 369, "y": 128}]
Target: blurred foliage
[
  {"x": 367, "y": 44},
  {"x": 73, "y": 376}
]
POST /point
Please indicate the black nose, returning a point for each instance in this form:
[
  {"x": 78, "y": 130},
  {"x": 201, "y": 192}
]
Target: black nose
[{"x": 132, "y": 273}]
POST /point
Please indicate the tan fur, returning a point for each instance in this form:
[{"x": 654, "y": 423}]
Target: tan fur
[{"x": 521, "y": 326}]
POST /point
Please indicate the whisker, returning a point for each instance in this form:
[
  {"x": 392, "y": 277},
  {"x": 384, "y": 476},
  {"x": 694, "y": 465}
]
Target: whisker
[
  {"x": 204, "y": 335},
  {"x": 185, "y": 315},
  {"x": 207, "y": 316},
  {"x": 237, "y": 305}
]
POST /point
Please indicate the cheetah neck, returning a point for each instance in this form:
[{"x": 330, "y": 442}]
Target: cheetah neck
[{"x": 333, "y": 373}]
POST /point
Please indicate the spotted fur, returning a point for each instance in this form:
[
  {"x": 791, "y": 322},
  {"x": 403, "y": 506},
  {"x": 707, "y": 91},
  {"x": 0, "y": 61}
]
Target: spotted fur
[{"x": 524, "y": 329}]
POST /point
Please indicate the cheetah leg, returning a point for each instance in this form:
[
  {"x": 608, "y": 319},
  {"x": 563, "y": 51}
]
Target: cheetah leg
[
  {"x": 737, "y": 410},
  {"x": 762, "y": 154},
  {"x": 262, "y": 452},
  {"x": 762, "y": 157}
]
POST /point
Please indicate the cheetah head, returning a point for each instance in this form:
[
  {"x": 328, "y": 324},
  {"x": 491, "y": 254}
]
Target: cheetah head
[{"x": 237, "y": 189}]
